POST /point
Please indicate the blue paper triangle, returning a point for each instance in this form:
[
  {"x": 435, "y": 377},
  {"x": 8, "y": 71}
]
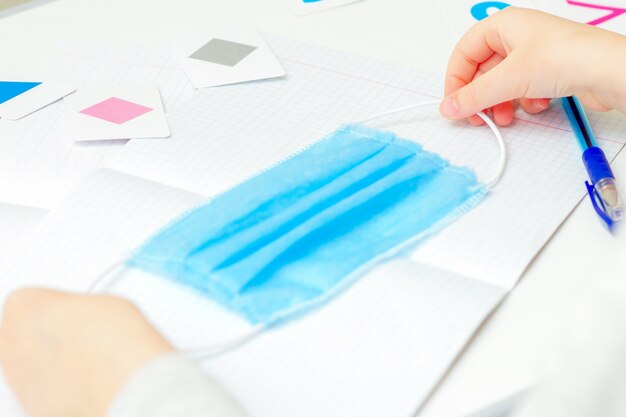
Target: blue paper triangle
[{"x": 10, "y": 89}]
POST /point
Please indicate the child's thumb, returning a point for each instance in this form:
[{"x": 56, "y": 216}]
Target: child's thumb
[{"x": 500, "y": 84}]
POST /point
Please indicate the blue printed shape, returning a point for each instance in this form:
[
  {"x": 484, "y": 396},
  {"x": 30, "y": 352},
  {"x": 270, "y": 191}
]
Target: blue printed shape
[
  {"x": 11, "y": 89},
  {"x": 480, "y": 11}
]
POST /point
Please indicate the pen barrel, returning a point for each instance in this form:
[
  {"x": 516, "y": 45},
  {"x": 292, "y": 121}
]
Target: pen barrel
[
  {"x": 596, "y": 164},
  {"x": 579, "y": 121}
]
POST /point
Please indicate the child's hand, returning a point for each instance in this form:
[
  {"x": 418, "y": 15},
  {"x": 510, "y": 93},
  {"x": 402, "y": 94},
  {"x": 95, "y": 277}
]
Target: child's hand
[
  {"x": 69, "y": 355},
  {"x": 533, "y": 56}
]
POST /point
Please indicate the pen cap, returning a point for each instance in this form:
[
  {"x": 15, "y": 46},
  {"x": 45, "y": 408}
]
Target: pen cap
[
  {"x": 609, "y": 201},
  {"x": 606, "y": 189},
  {"x": 597, "y": 165}
]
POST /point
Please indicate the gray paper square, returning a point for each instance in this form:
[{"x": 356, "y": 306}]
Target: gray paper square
[{"x": 219, "y": 51}]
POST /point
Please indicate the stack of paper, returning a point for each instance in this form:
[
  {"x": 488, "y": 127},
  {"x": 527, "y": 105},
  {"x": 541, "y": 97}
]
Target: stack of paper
[{"x": 380, "y": 347}]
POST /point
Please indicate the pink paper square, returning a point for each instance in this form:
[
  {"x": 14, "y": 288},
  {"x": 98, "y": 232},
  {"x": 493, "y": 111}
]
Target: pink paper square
[{"x": 116, "y": 110}]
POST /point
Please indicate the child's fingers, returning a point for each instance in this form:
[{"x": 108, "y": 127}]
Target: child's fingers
[
  {"x": 475, "y": 120},
  {"x": 505, "y": 82},
  {"x": 491, "y": 62},
  {"x": 503, "y": 113},
  {"x": 488, "y": 65},
  {"x": 474, "y": 48},
  {"x": 534, "y": 105}
]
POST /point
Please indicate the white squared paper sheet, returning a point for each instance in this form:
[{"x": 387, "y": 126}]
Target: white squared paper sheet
[{"x": 380, "y": 347}]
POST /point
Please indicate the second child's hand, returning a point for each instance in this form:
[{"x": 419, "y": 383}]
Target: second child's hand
[{"x": 69, "y": 355}]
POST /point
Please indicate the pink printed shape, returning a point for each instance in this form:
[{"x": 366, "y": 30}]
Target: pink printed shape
[
  {"x": 615, "y": 11},
  {"x": 116, "y": 110}
]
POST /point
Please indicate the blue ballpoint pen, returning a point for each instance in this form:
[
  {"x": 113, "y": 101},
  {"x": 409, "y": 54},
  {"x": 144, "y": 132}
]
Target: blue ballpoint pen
[{"x": 602, "y": 189}]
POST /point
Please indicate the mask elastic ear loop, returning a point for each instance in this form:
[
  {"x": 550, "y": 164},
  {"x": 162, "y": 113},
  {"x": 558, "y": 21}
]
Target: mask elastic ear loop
[
  {"x": 107, "y": 279},
  {"x": 224, "y": 347},
  {"x": 496, "y": 131}
]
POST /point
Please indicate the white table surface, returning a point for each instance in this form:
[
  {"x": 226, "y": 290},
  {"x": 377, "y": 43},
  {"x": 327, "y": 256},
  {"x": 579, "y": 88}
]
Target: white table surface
[{"x": 582, "y": 261}]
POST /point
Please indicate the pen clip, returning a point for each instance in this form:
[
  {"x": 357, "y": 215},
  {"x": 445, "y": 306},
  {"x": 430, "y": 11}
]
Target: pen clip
[{"x": 598, "y": 205}]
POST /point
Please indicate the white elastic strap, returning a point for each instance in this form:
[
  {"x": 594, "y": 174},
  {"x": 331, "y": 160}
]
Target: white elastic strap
[
  {"x": 502, "y": 148},
  {"x": 106, "y": 278},
  {"x": 213, "y": 351},
  {"x": 109, "y": 276}
]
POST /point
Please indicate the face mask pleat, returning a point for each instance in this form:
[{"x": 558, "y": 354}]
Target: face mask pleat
[
  {"x": 255, "y": 201},
  {"x": 284, "y": 213},
  {"x": 292, "y": 234},
  {"x": 308, "y": 211},
  {"x": 340, "y": 245},
  {"x": 258, "y": 206},
  {"x": 306, "y": 217}
]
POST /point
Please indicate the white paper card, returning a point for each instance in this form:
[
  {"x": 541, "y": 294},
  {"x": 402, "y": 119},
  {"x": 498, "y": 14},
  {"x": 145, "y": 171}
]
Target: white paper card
[
  {"x": 115, "y": 112},
  {"x": 301, "y": 7},
  {"x": 226, "y": 55},
  {"x": 33, "y": 99}
]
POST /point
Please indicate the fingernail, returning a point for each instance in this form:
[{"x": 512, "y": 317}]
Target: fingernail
[
  {"x": 541, "y": 104},
  {"x": 449, "y": 108}
]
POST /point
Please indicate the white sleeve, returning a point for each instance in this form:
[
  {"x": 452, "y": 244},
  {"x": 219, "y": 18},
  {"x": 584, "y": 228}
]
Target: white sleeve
[{"x": 173, "y": 386}]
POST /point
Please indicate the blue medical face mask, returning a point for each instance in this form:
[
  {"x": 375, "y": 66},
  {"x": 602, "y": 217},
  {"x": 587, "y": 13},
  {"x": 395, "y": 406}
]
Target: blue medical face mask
[{"x": 298, "y": 233}]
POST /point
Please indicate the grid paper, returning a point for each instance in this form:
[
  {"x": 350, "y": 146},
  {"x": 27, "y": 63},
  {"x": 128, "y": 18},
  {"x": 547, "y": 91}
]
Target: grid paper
[
  {"x": 16, "y": 224},
  {"x": 385, "y": 341},
  {"x": 388, "y": 339},
  {"x": 223, "y": 136},
  {"x": 37, "y": 165}
]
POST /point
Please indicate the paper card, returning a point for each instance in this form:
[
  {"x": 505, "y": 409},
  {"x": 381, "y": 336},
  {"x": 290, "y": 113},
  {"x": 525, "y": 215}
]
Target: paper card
[
  {"x": 463, "y": 14},
  {"x": 301, "y": 7},
  {"x": 21, "y": 98},
  {"x": 226, "y": 55},
  {"x": 115, "y": 112}
]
